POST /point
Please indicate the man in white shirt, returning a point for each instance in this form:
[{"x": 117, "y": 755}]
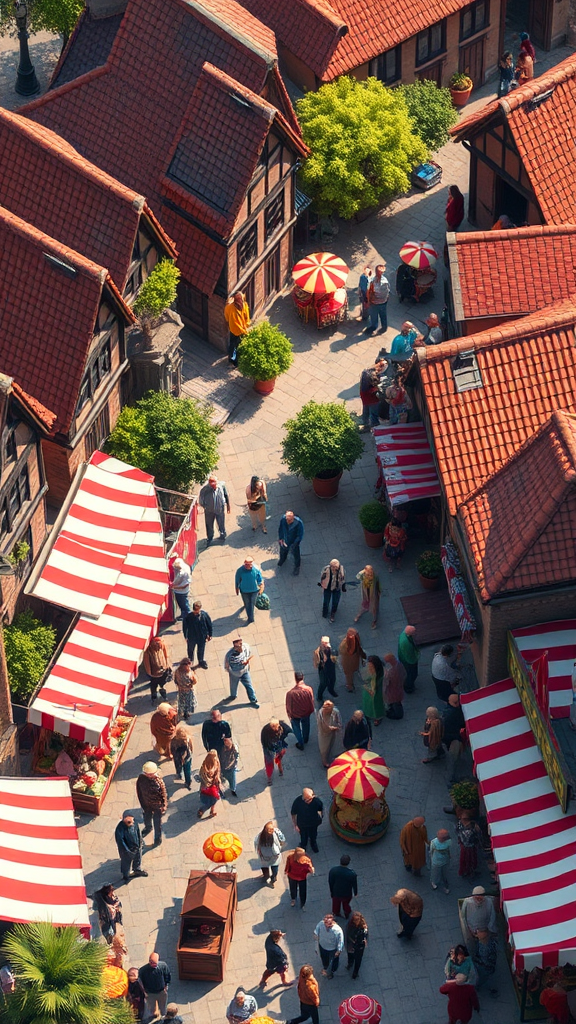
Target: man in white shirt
[
  {"x": 330, "y": 939},
  {"x": 378, "y": 293}
]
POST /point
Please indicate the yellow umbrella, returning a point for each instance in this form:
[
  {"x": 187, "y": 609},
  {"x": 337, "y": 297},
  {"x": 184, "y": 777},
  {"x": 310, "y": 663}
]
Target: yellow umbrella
[{"x": 222, "y": 847}]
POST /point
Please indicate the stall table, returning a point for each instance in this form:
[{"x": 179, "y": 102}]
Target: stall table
[{"x": 207, "y": 925}]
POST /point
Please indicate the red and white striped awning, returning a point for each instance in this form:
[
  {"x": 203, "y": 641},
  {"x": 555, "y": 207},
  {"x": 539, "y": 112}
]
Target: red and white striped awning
[
  {"x": 41, "y": 876},
  {"x": 107, "y": 562},
  {"x": 534, "y": 842},
  {"x": 559, "y": 640},
  {"x": 406, "y": 462}
]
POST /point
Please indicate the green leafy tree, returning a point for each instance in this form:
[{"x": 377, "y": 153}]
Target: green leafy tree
[
  {"x": 59, "y": 979},
  {"x": 363, "y": 145},
  {"x": 265, "y": 352},
  {"x": 57, "y": 16},
  {"x": 321, "y": 440},
  {"x": 29, "y": 645},
  {"x": 156, "y": 294},
  {"x": 431, "y": 111},
  {"x": 172, "y": 438}
]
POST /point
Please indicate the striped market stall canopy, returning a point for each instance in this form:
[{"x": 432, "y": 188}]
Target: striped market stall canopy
[
  {"x": 107, "y": 562},
  {"x": 41, "y": 875},
  {"x": 558, "y": 639},
  {"x": 533, "y": 840},
  {"x": 406, "y": 462}
]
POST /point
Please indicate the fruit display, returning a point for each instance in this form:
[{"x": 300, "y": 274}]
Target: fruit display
[{"x": 92, "y": 766}]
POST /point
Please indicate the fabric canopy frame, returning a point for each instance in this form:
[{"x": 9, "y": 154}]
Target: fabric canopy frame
[
  {"x": 41, "y": 876},
  {"x": 533, "y": 841},
  {"x": 406, "y": 463}
]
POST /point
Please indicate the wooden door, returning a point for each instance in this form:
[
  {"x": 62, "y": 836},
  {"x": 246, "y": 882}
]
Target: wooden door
[
  {"x": 540, "y": 22},
  {"x": 193, "y": 307},
  {"x": 431, "y": 74},
  {"x": 471, "y": 61}
]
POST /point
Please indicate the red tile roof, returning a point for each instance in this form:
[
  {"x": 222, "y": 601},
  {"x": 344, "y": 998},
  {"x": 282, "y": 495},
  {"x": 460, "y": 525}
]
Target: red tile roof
[
  {"x": 47, "y": 291},
  {"x": 541, "y": 116},
  {"x": 528, "y": 371},
  {"x": 128, "y": 115},
  {"x": 334, "y": 38},
  {"x": 505, "y": 273},
  {"x": 520, "y": 526},
  {"x": 46, "y": 418}
]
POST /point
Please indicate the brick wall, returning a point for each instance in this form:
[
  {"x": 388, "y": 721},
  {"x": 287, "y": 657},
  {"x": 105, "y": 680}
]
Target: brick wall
[{"x": 9, "y": 754}]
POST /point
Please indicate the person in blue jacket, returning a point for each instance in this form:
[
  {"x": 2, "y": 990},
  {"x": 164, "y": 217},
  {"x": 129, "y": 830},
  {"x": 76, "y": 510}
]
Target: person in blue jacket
[{"x": 290, "y": 533}]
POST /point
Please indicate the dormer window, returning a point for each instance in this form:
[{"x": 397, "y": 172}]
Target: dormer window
[{"x": 466, "y": 371}]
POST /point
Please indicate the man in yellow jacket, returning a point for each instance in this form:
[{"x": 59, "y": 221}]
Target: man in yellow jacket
[{"x": 237, "y": 317}]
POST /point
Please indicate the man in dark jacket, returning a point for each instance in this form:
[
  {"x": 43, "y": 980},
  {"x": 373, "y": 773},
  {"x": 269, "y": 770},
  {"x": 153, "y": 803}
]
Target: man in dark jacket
[
  {"x": 290, "y": 533},
  {"x": 197, "y": 629},
  {"x": 343, "y": 882},
  {"x": 129, "y": 843},
  {"x": 214, "y": 731},
  {"x": 153, "y": 799},
  {"x": 453, "y": 719},
  {"x": 155, "y": 977}
]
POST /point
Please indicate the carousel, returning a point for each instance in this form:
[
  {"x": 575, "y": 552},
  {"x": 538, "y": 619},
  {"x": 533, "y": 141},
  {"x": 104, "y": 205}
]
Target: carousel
[
  {"x": 319, "y": 293},
  {"x": 359, "y": 812}
]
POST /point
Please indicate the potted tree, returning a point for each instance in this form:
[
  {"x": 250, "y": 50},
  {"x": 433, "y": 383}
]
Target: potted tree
[
  {"x": 373, "y": 517},
  {"x": 465, "y": 797},
  {"x": 155, "y": 296},
  {"x": 320, "y": 443},
  {"x": 460, "y": 86},
  {"x": 264, "y": 354},
  {"x": 430, "y": 569}
]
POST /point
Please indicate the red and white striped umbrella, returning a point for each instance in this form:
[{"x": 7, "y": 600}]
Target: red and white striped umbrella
[
  {"x": 360, "y": 1010},
  {"x": 321, "y": 273},
  {"x": 358, "y": 775},
  {"x": 418, "y": 254}
]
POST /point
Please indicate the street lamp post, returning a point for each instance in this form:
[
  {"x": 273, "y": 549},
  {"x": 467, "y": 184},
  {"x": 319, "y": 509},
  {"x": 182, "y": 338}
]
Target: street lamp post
[{"x": 26, "y": 82}]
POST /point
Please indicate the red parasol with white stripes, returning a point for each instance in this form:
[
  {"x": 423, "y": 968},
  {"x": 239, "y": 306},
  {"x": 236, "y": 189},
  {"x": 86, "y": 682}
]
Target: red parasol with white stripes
[
  {"x": 358, "y": 775},
  {"x": 321, "y": 273},
  {"x": 418, "y": 254},
  {"x": 360, "y": 1009}
]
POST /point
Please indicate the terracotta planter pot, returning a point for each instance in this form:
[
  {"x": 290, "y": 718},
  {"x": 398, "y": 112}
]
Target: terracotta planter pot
[
  {"x": 373, "y": 540},
  {"x": 326, "y": 487},
  {"x": 460, "y": 97},
  {"x": 264, "y": 387},
  {"x": 430, "y": 584}
]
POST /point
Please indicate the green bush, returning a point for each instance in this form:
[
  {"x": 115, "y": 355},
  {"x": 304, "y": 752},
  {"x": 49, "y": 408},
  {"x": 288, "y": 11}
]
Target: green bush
[
  {"x": 29, "y": 645},
  {"x": 465, "y": 794},
  {"x": 429, "y": 565},
  {"x": 158, "y": 291},
  {"x": 460, "y": 82},
  {"x": 373, "y": 516},
  {"x": 431, "y": 112},
  {"x": 321, "y": 441},
  {"x": 265, "y": 352},
  {"x": 172, "y": 438}
]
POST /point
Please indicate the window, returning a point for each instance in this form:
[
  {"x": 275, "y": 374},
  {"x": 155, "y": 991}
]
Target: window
[
  {"x": 387, "y": 67},
  {"x": 474, "y": 18},
  {"x": 274, "y": 216},
  {"x": 431, "y": 42},
  {"x": 247, "y": 248},
  {"x": 10, "y": 446},
  {"x": 4, "y": 522},
  {"x": 98, "y": 432},
  {"x": 466, "y": 371},
  {"x": 19, "y": 493},
  {"x": 134, "y": 281},
  {"x": 272, "y": 274},
  {"x": 95, "y": 374}
]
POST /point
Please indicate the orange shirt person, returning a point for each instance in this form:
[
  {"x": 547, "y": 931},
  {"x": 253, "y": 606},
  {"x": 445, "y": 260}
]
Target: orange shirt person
[{"x": 237, "y": 316}]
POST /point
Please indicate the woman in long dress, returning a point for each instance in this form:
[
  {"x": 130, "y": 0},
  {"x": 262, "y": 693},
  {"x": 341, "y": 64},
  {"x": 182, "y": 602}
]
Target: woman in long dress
[
  {"x": 328, "y": 725},
  {"x": 351, "y": 654},
  {"x": 257, "y": 496},
  {"x": 370, "y": 601},
  {"x": 372, "y": 698}
]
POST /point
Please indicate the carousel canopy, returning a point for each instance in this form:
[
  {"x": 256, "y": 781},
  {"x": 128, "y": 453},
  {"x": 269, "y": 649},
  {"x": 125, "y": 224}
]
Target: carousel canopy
[
  {"x": 360, "y": 1009},
  {"x": 222, "y": 847},
  {"x": 358, "y": 775},
  {"x": 420, "y": 255},
  {"x": 321, "y": 273}
]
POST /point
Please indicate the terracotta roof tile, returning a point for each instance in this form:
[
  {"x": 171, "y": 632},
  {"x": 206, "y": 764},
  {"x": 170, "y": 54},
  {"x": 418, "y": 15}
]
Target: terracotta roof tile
[
  {"x": 520, "y": 526},
  {"x": 88, "y": 47},
  {"x": 46, "y": 417},
  {"x": 476, "y": 431}
]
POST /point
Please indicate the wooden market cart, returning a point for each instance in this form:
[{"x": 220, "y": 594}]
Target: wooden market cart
[{"x": 207, "y": 925}]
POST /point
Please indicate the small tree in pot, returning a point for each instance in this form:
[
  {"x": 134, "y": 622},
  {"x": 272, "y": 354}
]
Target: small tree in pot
[
  {"x": 156, "y": 294},
  {"x": 264, "y": 354},
  {"x": 460, "y": 86},
  {"x": 430, "y": 569},
  {"x": 465, "y": 797},
  {"x": 373, "y": 517},
  {"x": 321, "y": 441}
]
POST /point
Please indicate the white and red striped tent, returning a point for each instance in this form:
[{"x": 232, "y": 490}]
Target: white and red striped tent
[
  {"x": 41, "y": 875},
  {"x": 534, "y": 842},
  {"x": 108, "y": 563},
  {"x": 406, "y": 462},
  {"x": 558, "y": 640}
]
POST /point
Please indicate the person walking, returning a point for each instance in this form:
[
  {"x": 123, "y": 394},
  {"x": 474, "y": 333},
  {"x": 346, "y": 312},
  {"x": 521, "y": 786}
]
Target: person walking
[
  {"x": 186, "y": 681},
  {"x": 343, "y": 883},
  {"x": 276, "y": 959},
  {"x": 445, "y": 675},
  {"x": 524, "y": 70},
  {"x": 351, "y": 657},
  {"x": 109, "y": 910},
  {"x": 395, "y": 540},
  {"x": 324, "y": 660},
  {"x": 372, "y": 699},
  {"x": 181, "y": 750},
  {"x": 378, "y": 294},
  {"x": 157, "y": 667},
  {"x": 440, "y": 859},
  {"x": 328, "y": 726},
  {"x": 241, "y": 1008},
  {"x": 180, "y": 585},
  {"x": 333, "y": 583},
  {"x": 163, "y": 727},
  {"x": 356, "y": 942},
  {"x": 506, "y": 73},
  {"x": 469, "y": 838},
  {"x": 454, "y": 212},
  {"x": 136, "y": 996},
  {"x": 358, "y": 732},
  {"x": 274, "y": 746},
  {"x": 363, "y": 285},
  {"x": 435, "y": 335},
  {"x": 432, "y": 735},
  {"x": 485, "y": 958},
  {"x": 410, "y": 907},
  {"x": 307, "y": 812},
  {"x": 268, "y": 846},
  {"x": 257, "y": 496},
  {"x": 309, "y": 996},
  {"x": 214, "y": 731},
  {"x": 462, "y": 999},
  {"x": 197, "y": 629},
  {"x": 330, "y": 940},
  {"x": 213, "y": 499},
  {"x": 290, "y": 534},
  {"x": 299, "y": 708},
  {"x": 370, "y": 594},
  {"x": 409, "y": 656},
  {"x": 454, "y": 731},
  {"x": 369, "y": 386},
  {"x": 249, "y": 582},
  {"x": 414, "y": 843},
  {"x": 155, "y": 977},
  {"x": 153, "y": 799},
  {"x": 478, "y": 914},
  {"x": 129, "y": 842},
  {"x": 237, "y": 665},
  {"x": 298, "y": 867},
  {"x": 210, "y": 780},
  {"x": 393, "y": 686},
  {"x": 229, "y": 757},
  {"x": 237, "y": 317}
]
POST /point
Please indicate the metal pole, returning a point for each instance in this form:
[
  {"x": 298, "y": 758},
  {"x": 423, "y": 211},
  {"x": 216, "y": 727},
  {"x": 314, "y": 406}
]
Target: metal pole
[{"x": 26, "y": 82}]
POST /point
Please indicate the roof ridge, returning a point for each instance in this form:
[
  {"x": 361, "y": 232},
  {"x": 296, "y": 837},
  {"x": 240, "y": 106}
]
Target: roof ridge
[
  {"x": 503, "y": 234},
  {"x": 62, "y": 252},
  {"x": 227, "y": 83},
  {"x": 39, "y": 411},
  {"x": 197, "y": 5}
]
